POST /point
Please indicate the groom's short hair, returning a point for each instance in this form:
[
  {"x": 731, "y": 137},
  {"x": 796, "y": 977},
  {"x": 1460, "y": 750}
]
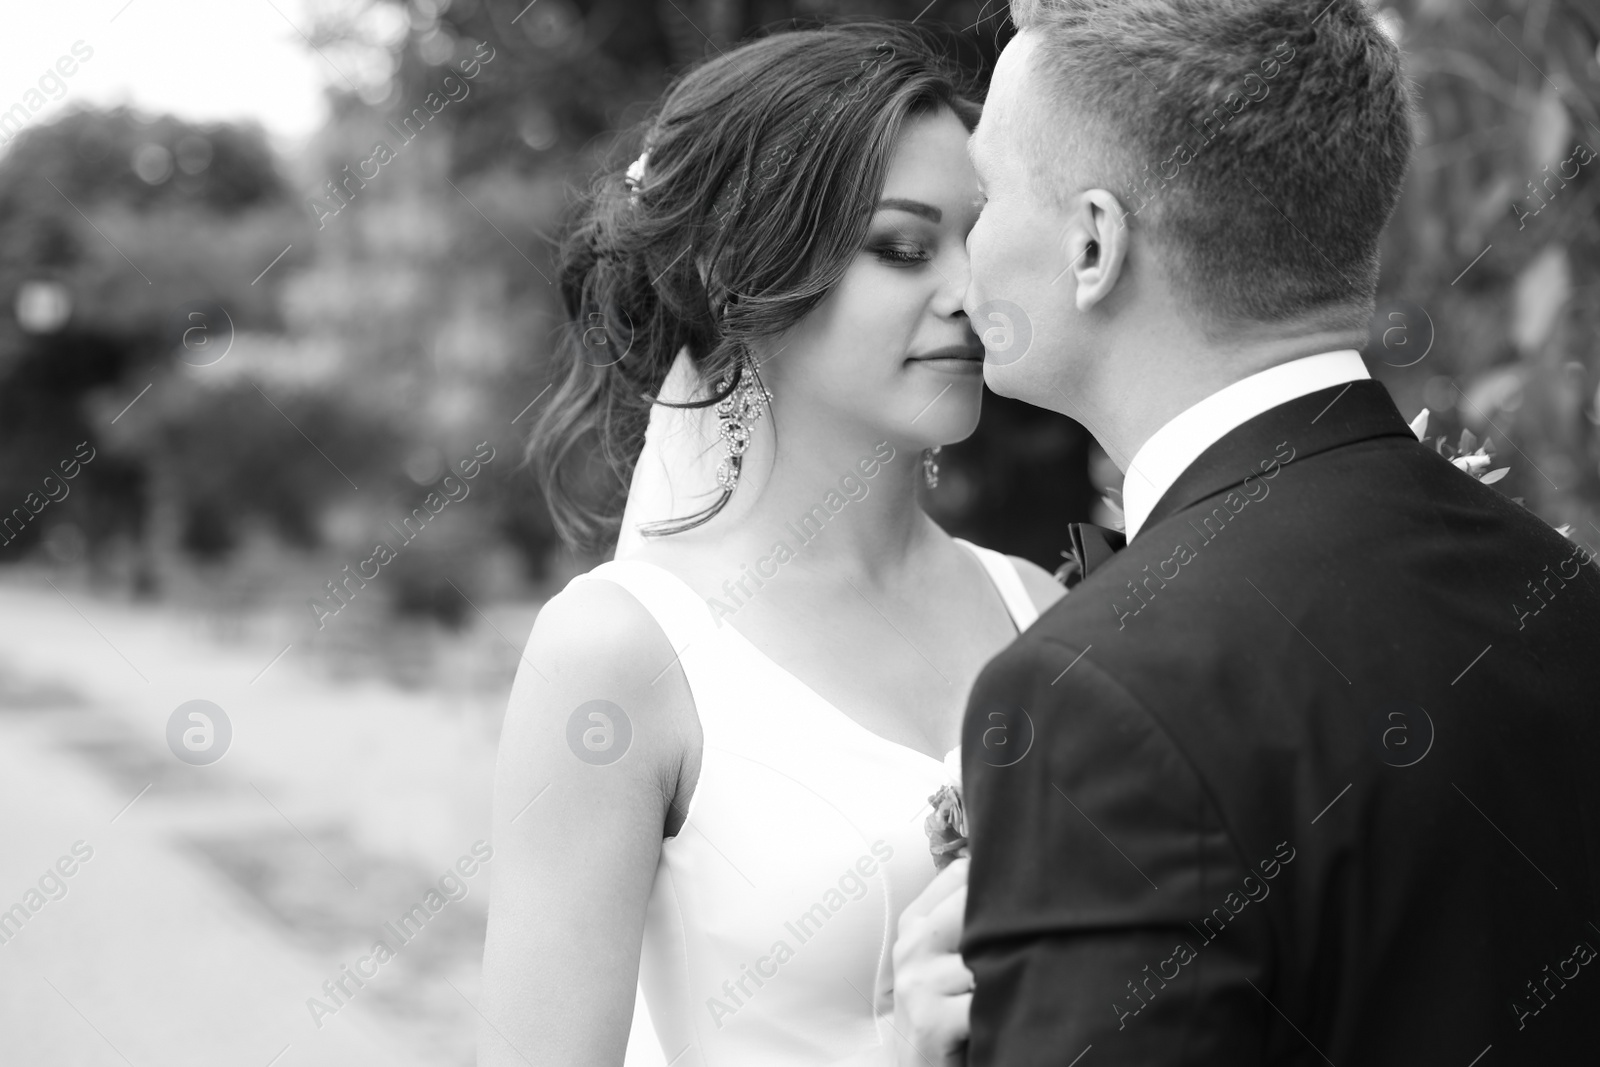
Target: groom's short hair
[{"x": 1262, "y": 142}]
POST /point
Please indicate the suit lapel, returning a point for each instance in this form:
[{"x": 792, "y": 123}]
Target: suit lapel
[{"x": 1328, "y": 418}]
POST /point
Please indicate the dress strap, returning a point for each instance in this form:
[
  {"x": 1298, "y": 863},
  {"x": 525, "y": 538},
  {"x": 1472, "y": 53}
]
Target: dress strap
[
  {"x": 1003, "y": 573},
  {"x": 681, "y": 614}
]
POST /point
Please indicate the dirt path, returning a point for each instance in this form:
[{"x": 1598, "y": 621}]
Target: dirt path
[{"x": 217, "y": 900}]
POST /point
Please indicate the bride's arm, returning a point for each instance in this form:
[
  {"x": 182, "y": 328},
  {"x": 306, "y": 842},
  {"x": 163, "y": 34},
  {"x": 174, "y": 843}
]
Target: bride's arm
[{"x": 573, "y": 868}]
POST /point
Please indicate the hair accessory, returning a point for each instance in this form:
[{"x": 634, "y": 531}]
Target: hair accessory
[
  {"x": 737, "y": 410},
  {"x": 930, "y": 466},
  {"x": 634, "y": 178}
]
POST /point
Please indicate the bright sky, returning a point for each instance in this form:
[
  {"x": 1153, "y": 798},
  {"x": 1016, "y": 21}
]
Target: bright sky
[{"x": 199, "y": 59}]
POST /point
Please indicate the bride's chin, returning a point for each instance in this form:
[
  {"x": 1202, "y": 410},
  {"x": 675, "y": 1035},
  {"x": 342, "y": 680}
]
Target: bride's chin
[{"x": 955, "y": 424}]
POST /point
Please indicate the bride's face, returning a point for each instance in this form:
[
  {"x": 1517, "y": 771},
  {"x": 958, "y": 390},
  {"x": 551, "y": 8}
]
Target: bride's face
[{"x": 889, "y": 352}]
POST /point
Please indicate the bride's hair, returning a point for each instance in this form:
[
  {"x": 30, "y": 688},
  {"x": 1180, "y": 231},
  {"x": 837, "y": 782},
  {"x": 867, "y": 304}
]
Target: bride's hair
[{"x": 764, "y": 168}]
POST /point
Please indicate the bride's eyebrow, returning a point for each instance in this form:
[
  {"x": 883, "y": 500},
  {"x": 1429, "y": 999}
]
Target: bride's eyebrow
[{"x": 914, "y": 207}]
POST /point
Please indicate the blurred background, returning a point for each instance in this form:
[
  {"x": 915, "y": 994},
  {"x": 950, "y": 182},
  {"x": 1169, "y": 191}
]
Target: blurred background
[{"x": 239, "y": 345}]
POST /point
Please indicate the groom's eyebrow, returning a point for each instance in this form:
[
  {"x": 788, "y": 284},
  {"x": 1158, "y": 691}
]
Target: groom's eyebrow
[{"x": 914, "y": 207}]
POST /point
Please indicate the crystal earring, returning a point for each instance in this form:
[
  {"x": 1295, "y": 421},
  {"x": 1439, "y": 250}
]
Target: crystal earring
[
  {"x": 737, "y": 411},
  {"x": 930, "y": 466}
]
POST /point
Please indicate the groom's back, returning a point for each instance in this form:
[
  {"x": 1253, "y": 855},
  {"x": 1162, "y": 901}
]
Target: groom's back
[{"x": 1370, "y": 676}]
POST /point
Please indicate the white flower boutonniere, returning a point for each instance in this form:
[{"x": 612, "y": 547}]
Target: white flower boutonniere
[{"x": 1470, "y": 456}]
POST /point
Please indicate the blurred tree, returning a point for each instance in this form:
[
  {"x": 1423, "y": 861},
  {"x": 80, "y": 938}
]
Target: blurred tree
[
  {"x": 109, "y": 221},
  {"x": 1493, "y": 257}
]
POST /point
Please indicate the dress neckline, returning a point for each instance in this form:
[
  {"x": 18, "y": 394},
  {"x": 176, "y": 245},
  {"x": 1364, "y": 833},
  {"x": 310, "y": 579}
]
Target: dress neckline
[
  {"x": 849, "y": 723},
  {"x": 799, "y": 683}
]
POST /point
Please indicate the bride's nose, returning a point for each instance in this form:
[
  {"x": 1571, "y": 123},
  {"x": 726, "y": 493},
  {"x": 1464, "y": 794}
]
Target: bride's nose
[{"x": 955, "y": 274}]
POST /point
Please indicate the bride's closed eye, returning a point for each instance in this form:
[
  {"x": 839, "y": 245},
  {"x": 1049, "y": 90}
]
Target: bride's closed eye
[{"x": 899, "y": 253}]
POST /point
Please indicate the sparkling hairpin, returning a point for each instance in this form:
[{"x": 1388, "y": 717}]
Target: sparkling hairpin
[{"x": 634, "y": 178}]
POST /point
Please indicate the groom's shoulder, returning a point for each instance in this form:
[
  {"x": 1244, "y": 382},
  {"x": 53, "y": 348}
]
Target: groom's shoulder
[
  {"x": 1077, "y": 635},
  {"x": 1102, "y": 606},
  {"x": 1345, "y": 548}
]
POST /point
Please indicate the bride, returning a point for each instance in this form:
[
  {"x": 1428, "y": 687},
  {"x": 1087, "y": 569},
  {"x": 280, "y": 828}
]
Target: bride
[{"x": 719, "y": 748}]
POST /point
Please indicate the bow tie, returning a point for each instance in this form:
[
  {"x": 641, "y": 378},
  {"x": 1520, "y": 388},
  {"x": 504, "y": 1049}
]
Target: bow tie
[{"x": 1089, "y": 547}]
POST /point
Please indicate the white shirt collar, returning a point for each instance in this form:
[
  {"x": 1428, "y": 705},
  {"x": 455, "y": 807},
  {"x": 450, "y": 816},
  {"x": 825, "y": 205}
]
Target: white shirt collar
[{"x": 1171, "y": 449}]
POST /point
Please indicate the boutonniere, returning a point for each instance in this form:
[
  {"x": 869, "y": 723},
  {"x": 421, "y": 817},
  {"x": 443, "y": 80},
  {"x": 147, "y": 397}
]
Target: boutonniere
[
  {"x": 1467, "y": 455},
  {"x": 946, "y": 825},
  {"x": 1472, "y": 457}
]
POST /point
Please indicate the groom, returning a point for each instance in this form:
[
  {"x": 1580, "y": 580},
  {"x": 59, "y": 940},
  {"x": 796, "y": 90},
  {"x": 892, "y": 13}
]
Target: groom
[{"x": 1307, "y": 773}]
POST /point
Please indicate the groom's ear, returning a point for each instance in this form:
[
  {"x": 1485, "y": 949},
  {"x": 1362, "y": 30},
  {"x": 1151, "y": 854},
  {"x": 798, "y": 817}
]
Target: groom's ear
[{"x": 1097, "y": 245}]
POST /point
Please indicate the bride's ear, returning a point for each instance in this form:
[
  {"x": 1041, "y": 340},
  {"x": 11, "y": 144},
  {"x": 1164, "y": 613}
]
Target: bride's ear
[
  {"x": 1097, "y": 245},
  {"x": 703, "y": 267}
]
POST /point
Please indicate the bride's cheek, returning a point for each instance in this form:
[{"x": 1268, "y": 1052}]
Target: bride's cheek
[{"x": 875, "y": 302}]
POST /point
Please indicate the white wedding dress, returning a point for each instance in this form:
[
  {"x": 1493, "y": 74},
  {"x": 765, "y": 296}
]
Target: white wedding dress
[
  {"x": 771, "y": 921},
  {"x": 772, "y": 918}
]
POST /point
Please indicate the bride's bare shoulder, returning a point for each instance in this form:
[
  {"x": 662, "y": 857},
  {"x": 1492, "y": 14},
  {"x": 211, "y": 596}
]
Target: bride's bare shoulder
[
  {"x": 596, "y": 650},
  {"x": 596, "y": 626}
]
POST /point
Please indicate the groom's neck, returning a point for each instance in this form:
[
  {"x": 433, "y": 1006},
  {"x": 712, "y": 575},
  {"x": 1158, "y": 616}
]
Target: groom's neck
[{"x": 1149, "y": 379}]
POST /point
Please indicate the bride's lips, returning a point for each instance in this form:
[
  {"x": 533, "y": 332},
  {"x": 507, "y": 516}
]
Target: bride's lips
[{"x": 958, "y": 358}]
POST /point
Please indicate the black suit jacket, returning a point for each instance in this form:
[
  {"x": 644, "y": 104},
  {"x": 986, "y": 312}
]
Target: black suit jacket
[{"x": 1306, "y": 774}]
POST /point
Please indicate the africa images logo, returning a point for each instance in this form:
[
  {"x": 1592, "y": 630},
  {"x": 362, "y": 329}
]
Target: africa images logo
[
  {"x": 599, "y": 732},
  {"x": 198, "y": 732}
]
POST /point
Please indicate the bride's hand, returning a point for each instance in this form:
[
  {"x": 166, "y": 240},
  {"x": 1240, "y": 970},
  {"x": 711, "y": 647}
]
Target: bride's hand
[{"x": 932, "y": 986}]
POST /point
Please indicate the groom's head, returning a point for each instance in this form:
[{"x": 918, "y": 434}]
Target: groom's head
[{"x": 1220, "y": 166}]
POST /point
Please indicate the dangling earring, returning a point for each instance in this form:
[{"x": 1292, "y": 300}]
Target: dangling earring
[
  {"x": 930, "y": 466},
  {"x": 737, "y": 410}
]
